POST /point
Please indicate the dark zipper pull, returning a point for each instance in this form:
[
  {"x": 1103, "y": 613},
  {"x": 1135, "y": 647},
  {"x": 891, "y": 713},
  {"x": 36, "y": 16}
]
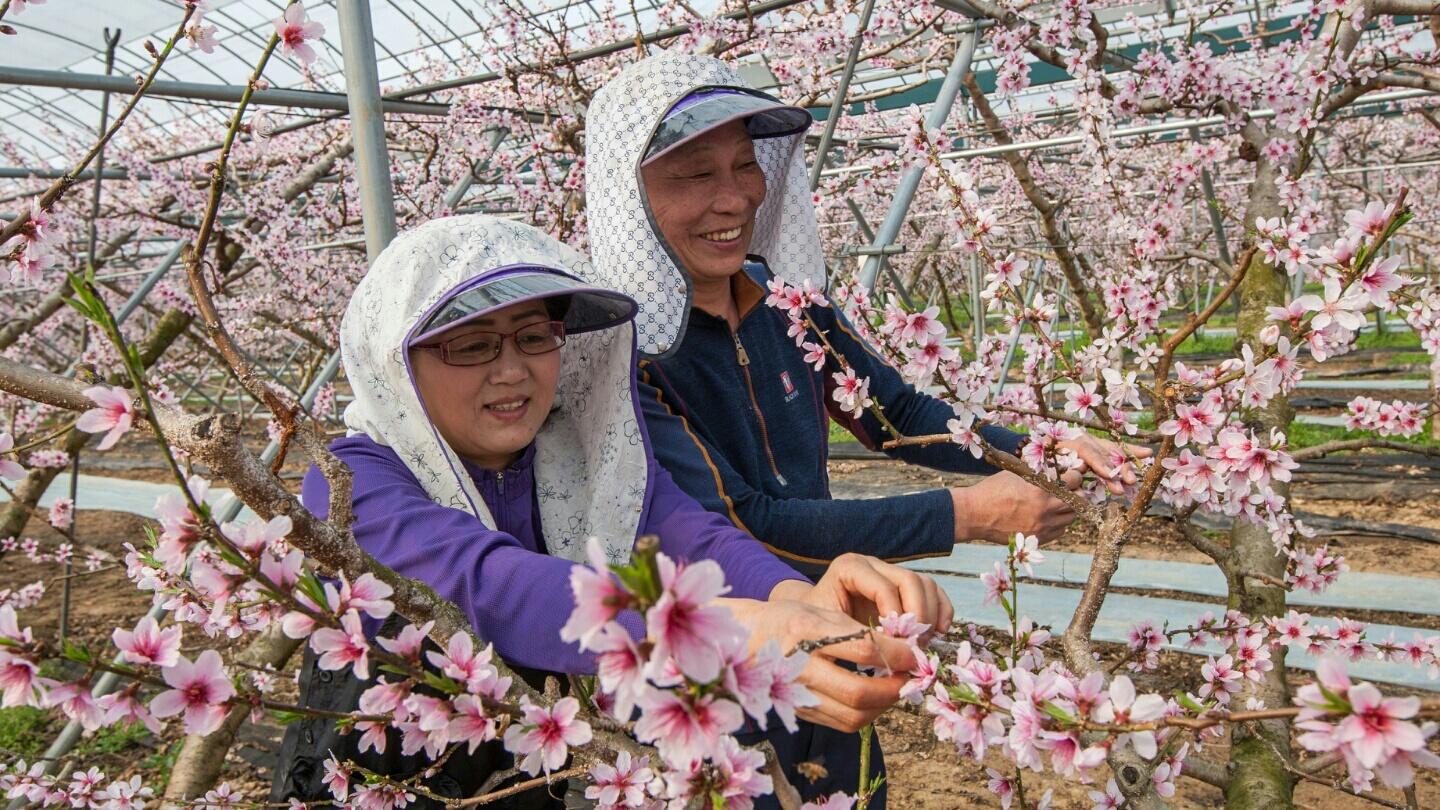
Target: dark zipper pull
[{"x": 500, "y": 482}]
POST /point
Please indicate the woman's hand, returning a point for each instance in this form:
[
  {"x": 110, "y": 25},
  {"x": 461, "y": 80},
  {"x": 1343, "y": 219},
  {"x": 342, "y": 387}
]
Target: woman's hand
[
  {"x": 848, "y": 700},
  {"x": 866, "y": 588}
]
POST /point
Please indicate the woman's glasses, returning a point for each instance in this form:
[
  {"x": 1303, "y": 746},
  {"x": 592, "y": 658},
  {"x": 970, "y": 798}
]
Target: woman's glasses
[{"x": 476, "y": 348}]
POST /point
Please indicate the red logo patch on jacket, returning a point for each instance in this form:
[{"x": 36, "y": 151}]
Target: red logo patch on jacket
[{"x": 785, "y": 381}]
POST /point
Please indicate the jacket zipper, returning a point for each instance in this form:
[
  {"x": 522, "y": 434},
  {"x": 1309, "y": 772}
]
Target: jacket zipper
[
  {"x": 500, "y": 482},
  {"x": 744, "y": 360}
]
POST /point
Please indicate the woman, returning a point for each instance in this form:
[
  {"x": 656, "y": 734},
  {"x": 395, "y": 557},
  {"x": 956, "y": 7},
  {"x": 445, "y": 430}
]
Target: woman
[
  {"x": 495, "y": 427},
  {"x": 696, "y": 196}
]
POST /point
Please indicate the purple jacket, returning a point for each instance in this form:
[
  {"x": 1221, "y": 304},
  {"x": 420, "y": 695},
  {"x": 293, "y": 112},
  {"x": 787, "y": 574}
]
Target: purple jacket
[{"x": 516, "y": 595}]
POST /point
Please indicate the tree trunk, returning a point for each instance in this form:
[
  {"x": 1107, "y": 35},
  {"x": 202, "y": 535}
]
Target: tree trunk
[
  {"x": 202, "y": 758},
  {"x": 1259, "y": 779}
]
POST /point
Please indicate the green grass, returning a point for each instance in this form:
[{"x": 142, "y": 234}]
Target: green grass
[
  {"x": 114, "y": 739},
  {"x": 23, "y": 731}
]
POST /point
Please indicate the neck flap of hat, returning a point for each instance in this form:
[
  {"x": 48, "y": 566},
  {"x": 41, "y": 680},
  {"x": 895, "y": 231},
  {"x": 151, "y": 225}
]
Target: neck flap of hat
[
  {"x": 628, "y": 252},
  {"x": 591, "y": 467}
]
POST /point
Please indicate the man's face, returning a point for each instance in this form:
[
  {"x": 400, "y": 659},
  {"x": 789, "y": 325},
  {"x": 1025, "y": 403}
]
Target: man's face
[{"x": 704, "y": 195}]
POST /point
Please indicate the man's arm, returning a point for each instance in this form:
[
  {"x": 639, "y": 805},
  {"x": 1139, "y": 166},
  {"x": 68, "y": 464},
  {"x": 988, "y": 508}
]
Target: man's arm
[{"x": 807, "y": 533}]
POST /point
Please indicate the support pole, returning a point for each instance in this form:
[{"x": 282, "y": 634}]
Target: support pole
[
  {"x": 905, "y": 192},
  {"x": 837, "y": 104},
  {"x": 133, "y": 302},
  {"x": 367, "y": 125},
  {"x": 889, "y": 270}
]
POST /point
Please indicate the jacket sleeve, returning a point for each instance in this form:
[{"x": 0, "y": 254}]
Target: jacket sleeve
[
  {"x": 508, "y": 592},
  {"x": 913, "y": 412},
  {"x": 688, "y": 532},
  {"x": 806, "y": 533}
]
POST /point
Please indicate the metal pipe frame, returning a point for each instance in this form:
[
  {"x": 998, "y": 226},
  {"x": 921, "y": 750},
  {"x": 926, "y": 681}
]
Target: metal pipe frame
[
  {"x": 910, "y": 182},
  {"x": 1126, "y": 132},
  {"x": 837, "y": 105},
  {"x": 196, "y": 91},
  {"x": 367, "y": 123}
]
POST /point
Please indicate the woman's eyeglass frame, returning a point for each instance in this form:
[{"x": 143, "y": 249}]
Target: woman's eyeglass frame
[{"x": 447, "y": 348}]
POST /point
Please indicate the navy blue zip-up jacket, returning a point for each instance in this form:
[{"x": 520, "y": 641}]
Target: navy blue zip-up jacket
[{"x": 741, "y": 423}]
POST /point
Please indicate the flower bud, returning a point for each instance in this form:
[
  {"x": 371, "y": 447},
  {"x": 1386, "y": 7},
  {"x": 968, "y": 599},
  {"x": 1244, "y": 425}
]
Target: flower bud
[{"x": 1270, "y": 335}]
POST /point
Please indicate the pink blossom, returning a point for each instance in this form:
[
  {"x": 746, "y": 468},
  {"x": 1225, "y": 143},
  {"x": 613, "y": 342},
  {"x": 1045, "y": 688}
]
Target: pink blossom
[
  {"x": 1081, "y": 400},
  {"x": 1123, "y": 708},
  {"x": 113, "y": 416},
  {"x": 835, "y": 801},
  {"x": 1026, "y": 552},
  {"x": 598, "y": 597},
  {"x": 997, "y": 584},
  {"x": 366, "y": 594},
  {"x": 201, "y": 37},
  {"x": 1002, "y": 786},
  {"x": 337, "y": 648},
  {"x": 680, "y": 623},
  {"x": 1110, "y": 799},
  {"x": 126, "y": 794},
  {"x": 622, "y": 785},
  {"x": 198, "y": 689},
  {"x": 685, "y": 727},
  {"x": 336, "y": 778},
  {"x": 296, "y": 31},
  {"x": 470, "y": 724},
  {"x": 1369, "y": 222},
  {"x": 62, "y": 513},
  {"x": 853, "y": 393},
  {"x": 148, "y": 644},
  {"x": 1380, "y": 279},
  {"x": 408, "y": 643},
  {"x": 460, "y": 661},
  {"x": 31, "y": 264},
  {"x": 544, "y": 734},
  {"x": 787, "y": 693},
  {"x": 18, "y": 680},
  {"x": 1191, "y": 423},
  {"x": 8, "y": 468},
  {"x": 258, "y": 535},
  {"x": 1378, "y": 726},
  {"x": 125, "y": 707},
  {"x": 76, "y": 701},
  {"x": 1221, "y": 679},
  {"x": 903, "y": 625},
  {"x": 620, "y": 668},
  {"x": 428, "y": 725},
  {"x": 921, "y": 325},
  {"x": 747, "y": 679}
]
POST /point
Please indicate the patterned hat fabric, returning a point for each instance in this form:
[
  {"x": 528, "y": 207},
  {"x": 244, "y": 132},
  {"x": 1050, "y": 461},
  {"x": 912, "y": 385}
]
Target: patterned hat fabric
[
  {"x": 591, "y": 466},
  {"x": 626, "y": 249}
]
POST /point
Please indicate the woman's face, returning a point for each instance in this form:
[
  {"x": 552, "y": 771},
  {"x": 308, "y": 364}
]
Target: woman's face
[
  {"x": 491, "y": 412},
  {"x": 704, "y": 195}
]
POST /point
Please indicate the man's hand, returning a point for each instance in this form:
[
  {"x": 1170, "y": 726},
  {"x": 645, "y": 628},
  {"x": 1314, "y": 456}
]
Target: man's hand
[
  {"x": 1003, "y": 504},
  {"x": 1109, "y": 461}
]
